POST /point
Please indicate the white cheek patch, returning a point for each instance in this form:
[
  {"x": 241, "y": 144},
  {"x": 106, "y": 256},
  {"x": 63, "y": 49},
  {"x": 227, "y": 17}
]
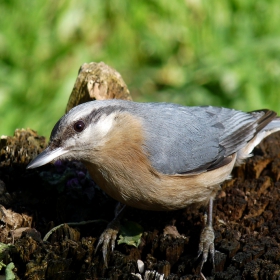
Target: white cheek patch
[
  {"x": 104, "y": 125},
  {"x": 94, "y": 133}
]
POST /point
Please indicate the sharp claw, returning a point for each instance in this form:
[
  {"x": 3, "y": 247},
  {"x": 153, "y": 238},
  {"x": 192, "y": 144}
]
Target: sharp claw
[
  {"x": 212, "y": 253},
  {"x": 109, "y": 236},
  {"x": 198, "y": 255},
  {"x": 203, "y": 277},
  {"x": 100, "y": 241},
  {"x": 206, "y": 246},
  {"x": 207, "y": 237},
  {"x": 200, "y": 250},
  {"x": 104, "y": 249},
  {"x": 113, "y": 241}
]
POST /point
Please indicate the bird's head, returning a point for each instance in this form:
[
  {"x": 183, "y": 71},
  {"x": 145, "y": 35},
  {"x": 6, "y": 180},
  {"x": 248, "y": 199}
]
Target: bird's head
[{"x": 80, "y": 132}]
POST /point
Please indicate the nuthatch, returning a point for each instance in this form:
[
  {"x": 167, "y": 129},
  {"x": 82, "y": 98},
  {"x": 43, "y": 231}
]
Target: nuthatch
[{"x": 158, "y": 156}]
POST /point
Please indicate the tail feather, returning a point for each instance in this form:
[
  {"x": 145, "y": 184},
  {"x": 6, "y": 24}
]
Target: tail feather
[
  {"x": 264, "y": 117},
  {"x": 271, "y": 127}
]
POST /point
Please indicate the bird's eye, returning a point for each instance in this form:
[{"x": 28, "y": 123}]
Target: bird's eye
[{"x": 79, "y": 126}]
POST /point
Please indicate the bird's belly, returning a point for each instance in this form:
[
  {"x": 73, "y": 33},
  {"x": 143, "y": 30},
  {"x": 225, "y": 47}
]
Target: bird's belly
[{"x": 161, "y": 192}]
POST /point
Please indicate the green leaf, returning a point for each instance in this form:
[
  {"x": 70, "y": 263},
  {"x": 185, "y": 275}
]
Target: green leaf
[
  {"x": 130, "y": 234},
  {"x": 2, "y": 265},
  {"x": 9, "y": 271},
  {"x": 4, "y": 250}
]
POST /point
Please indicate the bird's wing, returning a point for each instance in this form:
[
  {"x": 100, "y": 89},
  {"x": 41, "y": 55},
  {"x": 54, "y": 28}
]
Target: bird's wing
[{"x": 182, "y": 140}]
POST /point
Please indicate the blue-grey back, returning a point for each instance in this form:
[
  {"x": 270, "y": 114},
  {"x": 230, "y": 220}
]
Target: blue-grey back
[{"x": 192, "y": 139}]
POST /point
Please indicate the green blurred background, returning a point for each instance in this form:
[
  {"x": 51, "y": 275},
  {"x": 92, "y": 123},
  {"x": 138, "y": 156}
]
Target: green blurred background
[{"x": 193, "y": 52}]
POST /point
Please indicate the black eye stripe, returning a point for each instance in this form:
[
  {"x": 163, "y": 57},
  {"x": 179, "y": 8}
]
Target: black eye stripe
[{"x": 79, "y": 126}]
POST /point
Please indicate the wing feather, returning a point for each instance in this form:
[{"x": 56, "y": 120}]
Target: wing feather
[{"x": 181, "y": 140}]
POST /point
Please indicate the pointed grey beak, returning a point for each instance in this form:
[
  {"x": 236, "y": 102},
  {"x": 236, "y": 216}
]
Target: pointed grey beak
[{"x": 45, "y": 157}]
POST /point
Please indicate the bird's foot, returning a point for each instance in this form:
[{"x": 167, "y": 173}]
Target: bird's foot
[
  {"x": 108, "y": 239},
  {"x": 109, "y": 235},
  {"x": 206, "y": 246}
]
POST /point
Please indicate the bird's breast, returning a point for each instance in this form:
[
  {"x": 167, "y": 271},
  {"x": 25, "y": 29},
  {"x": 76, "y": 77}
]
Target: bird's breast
[{"x": 139, "y": 187}]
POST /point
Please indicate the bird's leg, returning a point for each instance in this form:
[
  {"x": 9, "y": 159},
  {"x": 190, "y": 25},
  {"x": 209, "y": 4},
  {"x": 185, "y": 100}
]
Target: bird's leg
[
  {"x": 109, "y": 235},
  {"x": 207, "y": 237}
]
